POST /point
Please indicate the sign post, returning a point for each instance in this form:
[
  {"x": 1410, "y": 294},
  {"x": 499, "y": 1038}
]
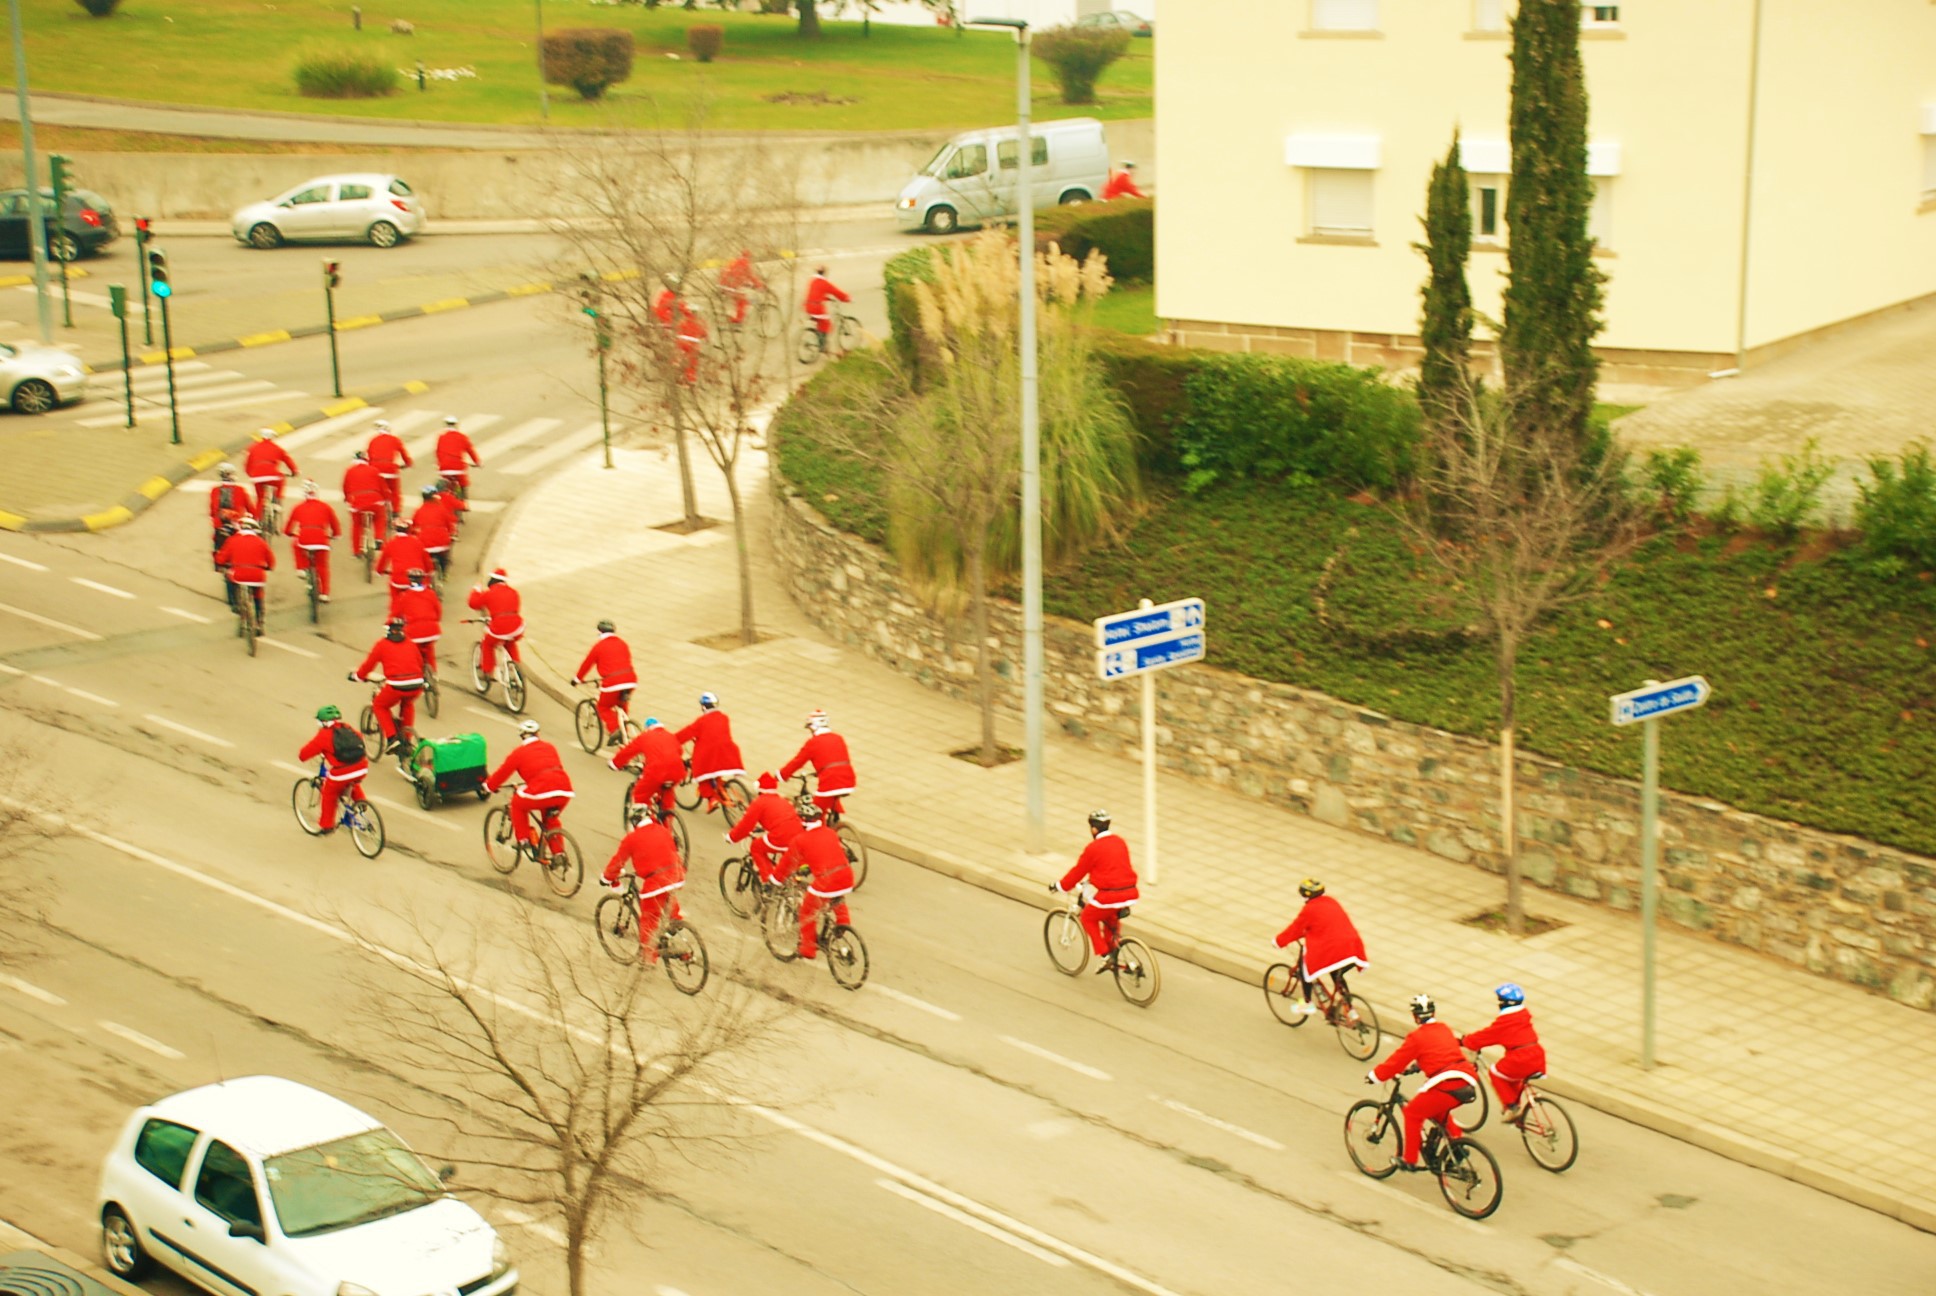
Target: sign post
[
  {"x": 1141, "y": 643},
  {"x": 1645, "y": 706},
  {"x": 118, "y": 303},
  {"x": 332, "y": 280}
]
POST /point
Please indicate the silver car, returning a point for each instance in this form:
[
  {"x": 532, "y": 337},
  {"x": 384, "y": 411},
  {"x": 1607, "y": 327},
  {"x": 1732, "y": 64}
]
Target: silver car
[
  {"x": 37, "y": 379},
  {"x": 381, "y": 209}
]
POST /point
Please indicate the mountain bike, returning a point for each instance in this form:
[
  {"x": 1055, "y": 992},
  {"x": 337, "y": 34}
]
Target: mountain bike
[
  {"x": 780, "y": 925},
  {"x": 679, "y": 946},
  {"x": 734, "y": 795},
  {"x": 844, "y": 338},
  {"x": 591, "y": 729},
  {"x": 365, "y": 520},
  {"x": 374, "y": 743},
  {"x": 508, "y": 674},
  {"x": 1134, "y": 967},
  {"x": 560, "y": 860},
  {"x": 311, "y": 588},
  {"x": 246, "y": 600},
  {"x": 359, "y": 813},
  {"x": 1374, "y": 1135},
  {"x": 1353, "y": 1018},
  {"x": 850, "y": 838},
  {"x": 1544, "y": 1126},
  {"x": 431, "y": 697},
  {"x": 673, "y": 823},
  {"x": 746, "y": 895}
]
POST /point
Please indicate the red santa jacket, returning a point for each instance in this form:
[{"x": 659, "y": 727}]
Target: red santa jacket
[
  {"x": 266, "y": 460},
  {"x": 454, "y": 451},
  {"x": 422, "y": 612},
  {"x": 313, "y": 524},
  {"x": 402, "y": 554},
  {"x": 818, "y": 291},
  {"x": 228, "y": 501},
  {"x": 659, "y": 751},
  {"x": 819, "y": 850},
  {"x": 400, "y": 662},
  {"x": 1104, "y": 864},
  {"x": 364, "y": 489},
  {"x": 654, "y": 857},
  {"x": 1330, "y": 941},
  {"x": 247, "y": 556},
  {"x": 433, "y": 524},
  {"x": 386, "y": 452},
  {"x": 499, "y": 603},
  {"x": 772, "y": 814},
  {"x": 535, "y": 762},
  {"x": 833, "y": 771},
  {"x": 739, "y": 273},
  {"x": 714, "y": 753},
  {"x": 1121, "y": 184},
  {"x": 1436, "y": 1050},
  {"x": 611, "y": 660},
  {"x": 324, "y": 745},
  {"x": 1513, "y": 1031}
]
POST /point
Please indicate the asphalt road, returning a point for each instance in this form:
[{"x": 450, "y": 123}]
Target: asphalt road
[{"x": 970, "y": 1121}]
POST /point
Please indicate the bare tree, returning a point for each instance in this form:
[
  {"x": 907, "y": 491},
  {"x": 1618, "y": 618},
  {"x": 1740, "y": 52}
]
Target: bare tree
[
  {"x": 1521, "y": 522},
  {"x": 567, "y": 1089},
  {"x": 32, "y": 815}
]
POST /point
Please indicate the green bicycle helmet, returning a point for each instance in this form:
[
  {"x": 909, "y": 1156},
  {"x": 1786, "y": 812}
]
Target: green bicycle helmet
[{"x": 329, "y": 713}]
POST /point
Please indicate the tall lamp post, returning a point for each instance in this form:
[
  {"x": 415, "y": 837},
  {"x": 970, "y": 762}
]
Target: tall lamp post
[
  {"x": 36, "y": 227},
  {"x": 1031, "y": 444}
]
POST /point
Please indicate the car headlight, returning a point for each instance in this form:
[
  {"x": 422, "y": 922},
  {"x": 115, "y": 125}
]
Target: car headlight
[
  {"x": 907, "y": 204},
  {"x": 500, "y": 1258},
  {"x": 353, "y": 1289},
  {"x": 67, "y": 371}
]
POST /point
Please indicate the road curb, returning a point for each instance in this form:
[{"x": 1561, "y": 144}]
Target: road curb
[
  {"x": 155, "y": 487},
  {"x": 15, "y": 1238}
]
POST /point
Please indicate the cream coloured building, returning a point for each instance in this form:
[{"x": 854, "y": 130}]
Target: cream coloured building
[{"x": 1764, "y": 169}]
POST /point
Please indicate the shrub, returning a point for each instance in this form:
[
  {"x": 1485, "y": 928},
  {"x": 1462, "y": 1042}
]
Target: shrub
[
  {"x": 1789, "y": 491},
  {"x": 1275, "y": 418},
  {"x": 99, "y": 8},
  {"x": 1078, "y": 55},
  {"x": 1896, "y": 511},
  {"x": 704, "y": 40},
  {"x": 337, "y": 73},
  {"x": 903, "y": 321},
  {"x": 1673, "y": 479},
  {"x": 1124, "y": 231},
  {"x": 588, "y": 59}
]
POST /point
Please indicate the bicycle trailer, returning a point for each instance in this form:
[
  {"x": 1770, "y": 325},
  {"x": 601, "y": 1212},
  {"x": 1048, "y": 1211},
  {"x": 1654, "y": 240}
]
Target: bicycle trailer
[{"x": 447, "y": 767}]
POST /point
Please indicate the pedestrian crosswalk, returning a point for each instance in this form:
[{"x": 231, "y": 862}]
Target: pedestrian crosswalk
[
  {"x": 517, "y": 449},
  {"x": 199, "y": 388}
]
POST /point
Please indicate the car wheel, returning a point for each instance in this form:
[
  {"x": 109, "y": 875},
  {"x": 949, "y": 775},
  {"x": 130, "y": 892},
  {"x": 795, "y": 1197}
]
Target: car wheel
[
  {"x": 34, "y": 397},
  {"x": 1074, "y": 197},
  {"x": 121, "y": 1247},
  {"x": 942, "y": 220},
  {"x": 384, "y": 235},
  {"x": 265, "y": 236},
  {"x": 64, "y": 247}
]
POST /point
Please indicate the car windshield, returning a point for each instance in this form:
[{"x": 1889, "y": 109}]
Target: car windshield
[
  {"x": 933, "y": 168},
  {"x": 351, "y": 1181}
]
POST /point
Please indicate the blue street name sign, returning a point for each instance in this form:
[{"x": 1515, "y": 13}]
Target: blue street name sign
[
  {"x": 1165, "y": 619},
  {"x": 1657, "y": 700},
  {"x": 1149, "y": 655}
]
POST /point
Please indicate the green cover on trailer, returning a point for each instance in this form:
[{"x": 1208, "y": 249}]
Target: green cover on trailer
[{"x": 447, "y": 756}]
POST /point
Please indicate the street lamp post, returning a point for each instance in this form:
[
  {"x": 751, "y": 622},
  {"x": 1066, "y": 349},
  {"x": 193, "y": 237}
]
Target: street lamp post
[
  {"x": 36, "y": 226},
  {"x": 1031, "y": 445}
]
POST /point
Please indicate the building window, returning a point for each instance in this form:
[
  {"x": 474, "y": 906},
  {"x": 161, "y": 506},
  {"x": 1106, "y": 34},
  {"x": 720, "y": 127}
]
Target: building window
[
  {"x": 1344, "y": 15},
  {"x": 1488, "y": 209},
  {"x": 1488, "y": 15},
  {"x": 1340, "y": 203},
  {"x": 1599, "y": 215},
  {"x": 1599, "y": 15}
]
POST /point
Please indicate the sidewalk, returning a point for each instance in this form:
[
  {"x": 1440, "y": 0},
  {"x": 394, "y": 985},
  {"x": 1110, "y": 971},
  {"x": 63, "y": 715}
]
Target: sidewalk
[{"x": 1806, "y": 1078}]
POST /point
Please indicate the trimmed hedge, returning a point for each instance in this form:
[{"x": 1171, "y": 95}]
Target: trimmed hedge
[
  {"x": 590, "y": 60},
  {"x": 336, "y": 72},
  {"x": 1124, "y": 231}
]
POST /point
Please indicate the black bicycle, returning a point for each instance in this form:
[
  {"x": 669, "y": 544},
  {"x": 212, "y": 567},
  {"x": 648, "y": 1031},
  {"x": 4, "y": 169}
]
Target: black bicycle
[
  {"x": 1374, "y": 1135},
  {"x": 680, "y": 948},
  {"x": 850, "y": 839},
  {"x": 780, "y": 924},
  {"x": 559, "y": 859}
]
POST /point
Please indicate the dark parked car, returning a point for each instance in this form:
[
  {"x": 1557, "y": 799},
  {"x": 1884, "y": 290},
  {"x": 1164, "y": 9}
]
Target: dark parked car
[
  {"x": 1119, "y": 20},
  {"x": 85, "y": 228}
]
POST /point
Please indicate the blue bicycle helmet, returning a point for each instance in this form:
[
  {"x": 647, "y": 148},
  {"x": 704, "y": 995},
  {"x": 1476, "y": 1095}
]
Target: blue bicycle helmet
[
  {"x": 1511, "y": 995},
  {"x": 707, "y": 701},
  {"x": 651, "y": 722}
]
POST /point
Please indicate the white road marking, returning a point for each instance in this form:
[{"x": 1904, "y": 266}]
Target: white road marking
[
  {"x": 912, "y": 1002},
  {"x": 97, "y": 585},
  {"x": 1242, "y": 1133},
  {"x": 328, "y": 427},
  {"x": 86, "y": 696},
  {"x": 548, "y": 1232},
  {"x": 33, "y": 991},
  {"x": 1574, "y": 1266},
  {"x": 191, "y": 616},
  {"x": 564, "y": 447},
  {"x": 980, "y": 1226},
  {"x": 156, "y": 415},
  {"x": 498, "y": 716},
  {"x": 880, "y": 1165},
  {"x": 197, "y": 734},
  {"x": 22, "y": 562},
  {"x": 1080, "y": 1068},
  {"x": 663, "y": 1290},
  {"x": 503, "y": 442},
  {"x": 136, "y": 1038},
  {"x": 415, "y": 813},
  {"x": 49, "y": 622},
  {"x": 1392, "y": 1191},
  {"x": 289, "y": 648},
  {"x": 11, "y": 670}
]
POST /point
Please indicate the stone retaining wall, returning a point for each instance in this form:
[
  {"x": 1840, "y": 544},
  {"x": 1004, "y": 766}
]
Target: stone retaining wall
[{"x": 1836, "y": 905}]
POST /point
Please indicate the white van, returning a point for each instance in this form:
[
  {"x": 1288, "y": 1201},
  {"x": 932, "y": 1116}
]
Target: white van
[{"x": 972, "y": 178}]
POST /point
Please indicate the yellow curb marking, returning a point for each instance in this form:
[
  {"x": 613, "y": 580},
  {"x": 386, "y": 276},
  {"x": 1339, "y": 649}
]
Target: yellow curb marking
[
  {"x": 107, "y": 518},
  {"x": 344, "y": 406},
  {"x": 264, "y": 339},
  {"x": 12, "y": 521},
  {"x": 528, "y": 290},
  {"x": 416, "y": 386},
  {"x": 280, "y": 429},
  {"x": 155, "y": 487},
  {"x": 206, "y": 459},
  {"x": 619, "y": 276},
  {"x": 357, "y": 322},
  {"x": 21, "y": 281},
  {"x": 448, "y": 303}
]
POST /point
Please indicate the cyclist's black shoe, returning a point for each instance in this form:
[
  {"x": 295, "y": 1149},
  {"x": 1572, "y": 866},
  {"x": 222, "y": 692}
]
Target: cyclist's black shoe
[{"x": 1404, "y": 1167}]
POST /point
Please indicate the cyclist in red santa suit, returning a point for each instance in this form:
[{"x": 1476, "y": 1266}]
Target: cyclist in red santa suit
[
  {"x": 715, "y": 756},
  {"x": 1448, "y": 1077},
  {"x": 653, "y": 856},
  {"x": 771, "y": 823},
  {"x": 543, "y": 783}
]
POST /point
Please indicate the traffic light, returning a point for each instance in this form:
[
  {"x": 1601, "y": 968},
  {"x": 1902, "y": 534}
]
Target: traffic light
[
  {"x": 332, "y": 275},
  {"x": 158, "y": 273},
  {"x": 61, "y": 168},
  {"x": 143, "y": 229}
]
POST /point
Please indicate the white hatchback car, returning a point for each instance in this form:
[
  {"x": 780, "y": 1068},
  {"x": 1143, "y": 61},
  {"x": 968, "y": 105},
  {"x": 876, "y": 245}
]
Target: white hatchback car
[
  {"x": 265, "y": 1187},
  {"x": 379, "y": 208}
]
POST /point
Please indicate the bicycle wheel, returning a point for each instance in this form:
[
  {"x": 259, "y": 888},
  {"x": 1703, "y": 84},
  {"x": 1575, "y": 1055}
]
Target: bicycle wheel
[
  {"x": 767, "y": 319},
  {"x": 315, "y": 595},
  {"x": 846, "y": 957},
  {"x": 1357, "y": 1026},
  {"x": 856, "y": 851},
  {"x": 249, "y": 628},
  {"x": 514, "y": 688},
  {"x": 735, "y": 798},
  {"x": 500, "y": 843},
  {"x": 739, "y": 883},
  {"x": 1549, "y": 1134},
  {"x": 366, "y": 829},
  {"x": 809, "y": 349},
  {"x": 564, "y": 868},
  {"x": 432, "y": 699},
  {"x": 1137, "y": 975},
  {"x": 1285, "y": 995},
  {"x": 686, "y": 795},
  {"x": 591, "y": 730},
  {"x": 849, "y": 335},
  {"x": 372, "y": 735},
  {"x": 781, "y": 926},
  {"x": 680, "y": 840},
  {"x": 684, "y": 955},
  {"x": 625, "y": 807},
  {"x": 1471, "y": 1117},
  {"x": 369, "y": 557},
  {"x": 1373, "y": 1136},
  {"x": 1469, "y": 1179},
  {"x": 306, "y": 799},
  {"x": 1068, "y": 943},
  {"x": 480, "y": 682},
  {"x": 618, "y": 928}
]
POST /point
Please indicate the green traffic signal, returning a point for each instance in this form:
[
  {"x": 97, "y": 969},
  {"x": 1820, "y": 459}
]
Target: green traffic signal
[
  {"x": 61, "y": 172},
  {"x": 158, "y": 273}
]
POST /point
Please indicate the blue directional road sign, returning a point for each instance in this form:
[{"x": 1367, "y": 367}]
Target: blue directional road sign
[
  {"x": 1657, "y": 700},
  {"x": 1121, "y": 629},
  {"x": 1149, "y": 655}
]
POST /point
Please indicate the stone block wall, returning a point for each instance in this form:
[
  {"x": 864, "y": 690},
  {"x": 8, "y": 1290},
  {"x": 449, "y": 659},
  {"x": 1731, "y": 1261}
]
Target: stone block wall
[{"x": 1835, "y": 905}]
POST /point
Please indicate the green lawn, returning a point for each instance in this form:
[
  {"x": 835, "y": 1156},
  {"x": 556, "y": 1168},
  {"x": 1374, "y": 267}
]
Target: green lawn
[
  {"x": 239, "y": 54},
  {"x": 1130, "y": 310}
]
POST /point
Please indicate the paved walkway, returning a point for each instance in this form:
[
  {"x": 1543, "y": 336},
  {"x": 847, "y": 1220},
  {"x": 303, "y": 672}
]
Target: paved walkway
[{"x": 1808, "y": 1078}]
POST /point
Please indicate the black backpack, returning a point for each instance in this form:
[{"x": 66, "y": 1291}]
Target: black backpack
[{"x": 345, "y": 744}]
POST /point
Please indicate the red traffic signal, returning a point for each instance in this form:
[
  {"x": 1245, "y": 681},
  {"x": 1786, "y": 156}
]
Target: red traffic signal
[
  {"x": 332, "y": 274},
  {"x": 141, "y": 224}
]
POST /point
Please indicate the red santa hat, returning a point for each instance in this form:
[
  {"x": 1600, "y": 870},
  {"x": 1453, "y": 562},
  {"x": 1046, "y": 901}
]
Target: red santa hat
[{"x": 768, "y": 781}]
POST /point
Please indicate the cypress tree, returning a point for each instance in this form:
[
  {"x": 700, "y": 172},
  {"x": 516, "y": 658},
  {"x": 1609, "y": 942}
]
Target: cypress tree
[
  {"x": 1445, "y": 324},
  {"x": 1552, "y": 298}
]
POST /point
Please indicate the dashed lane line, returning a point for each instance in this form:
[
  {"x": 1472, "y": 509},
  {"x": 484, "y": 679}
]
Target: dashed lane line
[
  {"x": 549, "y": 1232},
  {"x": 97, "y": 585},
  {"x": 498, "y": 716},
  {"x": 1605, "y": 1280},
  {"x": 32, "y": 991},
  {"x": 139, "y": 1040},
  {"x": 183, "y": 729},
  {"x": 912, "y": 1002},
  {"x": 50, "y": 622},
  {"x": 1250, "y": 1136},
  {"x": 23, "y": 562},
  {"x": 196, "y": 617},
  {"x": 83, "y": 694},
  {"x": 289, "y": 648},
  {"x": 980, "y": 1226},
  {"x": 1080, "y": 1068}
]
